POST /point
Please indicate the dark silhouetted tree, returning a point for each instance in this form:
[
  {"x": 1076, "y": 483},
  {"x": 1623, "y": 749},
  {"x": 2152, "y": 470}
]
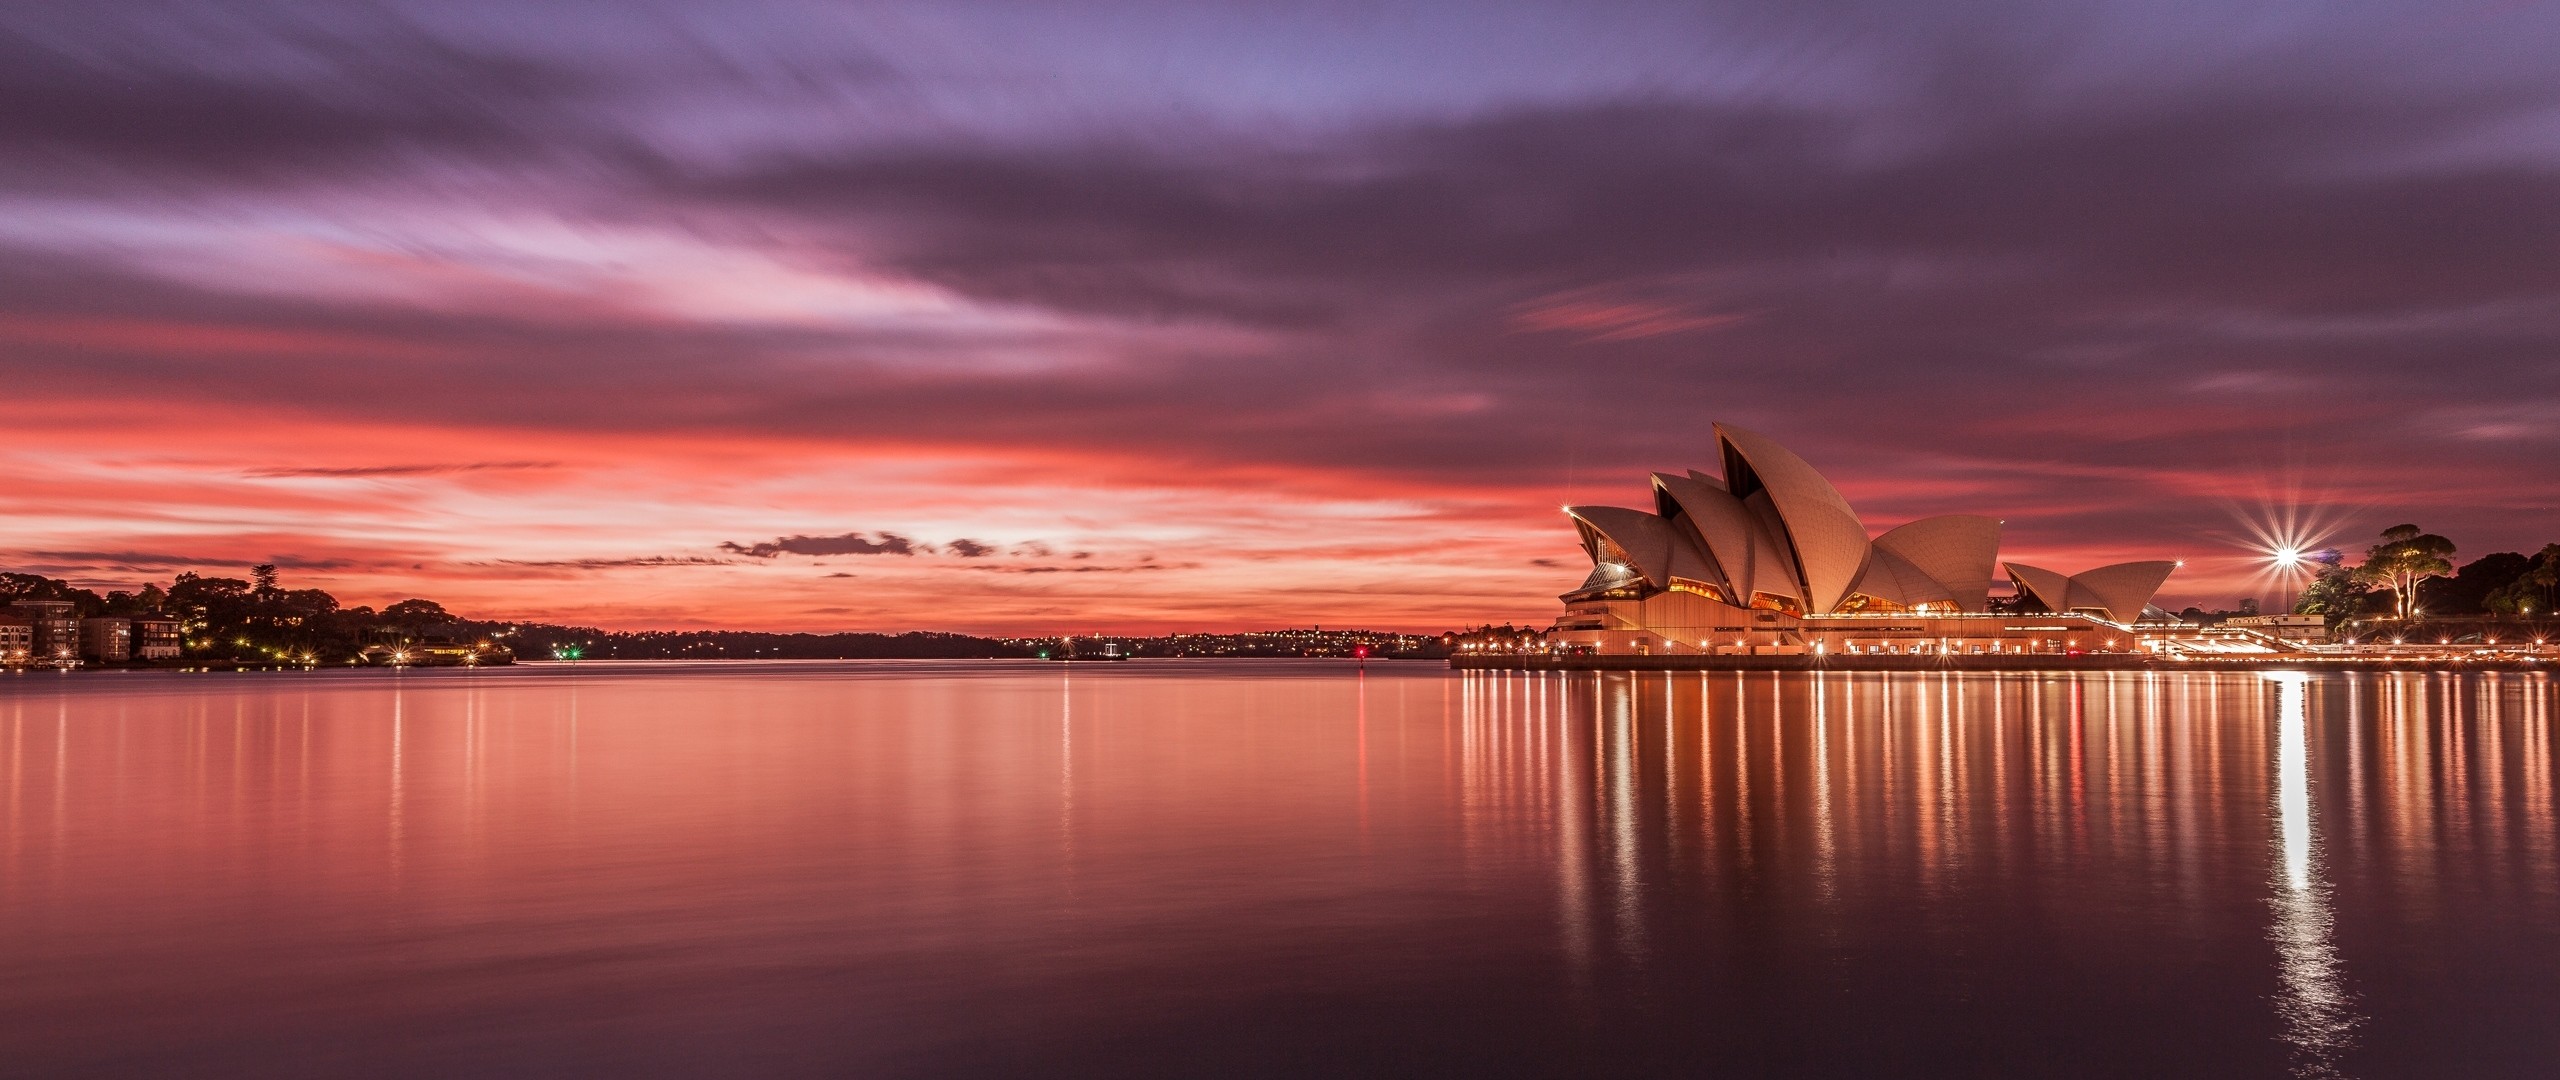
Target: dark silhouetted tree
[
  {"x": 2406, "y": 556},
  {"x": 414, "y": 612},
  {"x": 2334, "y": 593},
  {"x": 33, "y": 587},
  {"x": 2467, "y": 590},
  {"x": 2536, "y": 591}
]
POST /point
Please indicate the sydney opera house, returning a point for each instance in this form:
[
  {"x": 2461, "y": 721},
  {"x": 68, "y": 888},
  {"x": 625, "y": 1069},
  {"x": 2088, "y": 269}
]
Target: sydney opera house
[{"x": 1770, "y": 560}]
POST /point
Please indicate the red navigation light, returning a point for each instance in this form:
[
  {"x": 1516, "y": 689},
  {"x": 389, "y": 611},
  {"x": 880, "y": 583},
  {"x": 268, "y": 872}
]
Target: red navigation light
[{"x": 1360, "y": 651}]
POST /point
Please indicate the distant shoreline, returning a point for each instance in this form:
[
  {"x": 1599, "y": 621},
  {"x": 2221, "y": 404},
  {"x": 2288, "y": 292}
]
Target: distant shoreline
[
  {"x": 2029, "y": 662},
  {"x": 704, "y": 661}
]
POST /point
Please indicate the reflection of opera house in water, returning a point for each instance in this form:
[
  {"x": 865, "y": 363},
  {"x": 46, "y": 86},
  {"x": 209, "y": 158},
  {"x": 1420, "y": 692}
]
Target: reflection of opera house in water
[{"x": 1770, "y": 560}]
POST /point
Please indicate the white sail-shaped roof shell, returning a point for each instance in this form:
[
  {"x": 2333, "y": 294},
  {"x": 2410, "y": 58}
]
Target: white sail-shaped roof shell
[
  {"x": 1736, "y": 543},
  {"x": 1959, "y": 552},
  {"x": 1647, "y": 542},
  {"x": 1891, "y": 577},
  {"x": 1772, "y": 572},
  {"x": 2119, "y": 591},
  {"x": 1828, "y": 545},
  {"x": 1673, "y": 497},
  {"x": 2122, "y": 589},
  {"x": 2050, "y": 588}
]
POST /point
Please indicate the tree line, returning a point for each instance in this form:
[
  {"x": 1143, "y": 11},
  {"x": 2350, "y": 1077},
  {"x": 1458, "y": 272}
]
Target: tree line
[
  {"x": 258, "y": 621},
  {"x": 2410, "y": 574}
]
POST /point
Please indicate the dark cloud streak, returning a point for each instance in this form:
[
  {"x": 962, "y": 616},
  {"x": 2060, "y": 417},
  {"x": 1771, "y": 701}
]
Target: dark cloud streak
[
  {"x": 368, "y": 471},
  {"x": 153, "y": 561},
  {"x": 343, "y": 99},
  {"x": 852, "y": 543},
  {"x": 614, "y": 563}
]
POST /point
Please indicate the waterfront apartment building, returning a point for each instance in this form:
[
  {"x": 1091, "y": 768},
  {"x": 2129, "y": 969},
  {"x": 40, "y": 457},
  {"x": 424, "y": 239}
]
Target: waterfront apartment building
[
  {"x": 107, "y": 639},
  {"x": 57, "y": 630},
  {"x": 17, "y": 639},
  {"x": 157, "y": 637},
  {"x": 51, "y": 633}
]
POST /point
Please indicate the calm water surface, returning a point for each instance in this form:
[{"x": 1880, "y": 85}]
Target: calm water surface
[{"x": 1275, "y": 868}]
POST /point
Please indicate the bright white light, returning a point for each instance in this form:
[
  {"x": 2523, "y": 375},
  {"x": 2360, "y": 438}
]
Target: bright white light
[
  {"x": 2314, "y": 1001},
  {"x": 2293, "y": 778},
  {"x": 2288, "y": 557}
]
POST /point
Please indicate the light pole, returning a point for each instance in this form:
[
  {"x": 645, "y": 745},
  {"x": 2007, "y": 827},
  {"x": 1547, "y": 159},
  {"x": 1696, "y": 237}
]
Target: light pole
[{"x": 2288, "y": 563}]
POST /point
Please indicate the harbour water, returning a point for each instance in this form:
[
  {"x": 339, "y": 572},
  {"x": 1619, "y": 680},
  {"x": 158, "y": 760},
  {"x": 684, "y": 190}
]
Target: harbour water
[{"x": 1276, "y": 868}]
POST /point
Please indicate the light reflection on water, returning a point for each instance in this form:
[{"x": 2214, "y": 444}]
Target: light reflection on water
[
  {"x": 2315, "y": 1003},
  {"x": 1276, "y": 869}
]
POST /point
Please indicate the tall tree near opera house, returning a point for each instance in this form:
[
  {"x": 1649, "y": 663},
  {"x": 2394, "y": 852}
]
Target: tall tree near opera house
[{"x": 2406, "y": 556}]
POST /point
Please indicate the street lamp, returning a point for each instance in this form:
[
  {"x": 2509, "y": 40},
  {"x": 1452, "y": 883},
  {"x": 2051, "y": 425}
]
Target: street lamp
[{"x": 2288, "y": 562}]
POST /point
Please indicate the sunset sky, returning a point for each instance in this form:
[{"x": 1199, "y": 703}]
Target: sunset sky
[{"x": 1041, "y": 317}]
